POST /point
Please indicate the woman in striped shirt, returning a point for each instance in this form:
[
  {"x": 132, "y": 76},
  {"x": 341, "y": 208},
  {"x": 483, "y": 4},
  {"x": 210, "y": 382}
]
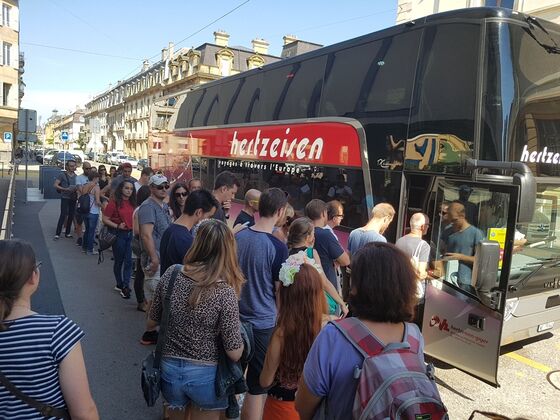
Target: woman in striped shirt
[{"x": 39, "y": 354}]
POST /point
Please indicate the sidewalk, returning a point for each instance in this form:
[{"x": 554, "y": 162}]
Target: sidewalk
[{"x": 74, "y": 284}]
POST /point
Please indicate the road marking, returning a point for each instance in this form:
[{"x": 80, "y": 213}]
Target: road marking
[{"x": 529, "y": 362}]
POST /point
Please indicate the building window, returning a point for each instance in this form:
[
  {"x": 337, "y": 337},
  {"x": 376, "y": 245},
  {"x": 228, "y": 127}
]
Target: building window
[
  {"x": 500, "y": 3},
  {"x": 6, "y": 47},
  {"x": 6, "y": 15},
  {"x": 5, "y": 93}
]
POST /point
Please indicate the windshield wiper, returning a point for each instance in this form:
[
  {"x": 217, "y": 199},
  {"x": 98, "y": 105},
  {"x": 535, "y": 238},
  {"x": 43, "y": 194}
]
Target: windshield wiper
[{"x": 551, "y": 49}]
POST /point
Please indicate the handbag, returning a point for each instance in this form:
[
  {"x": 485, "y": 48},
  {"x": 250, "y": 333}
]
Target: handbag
[
  {"x": 106, "y": 238},
  {"x": 151, "y": 372},
  {"x": 46, "y": 410}
]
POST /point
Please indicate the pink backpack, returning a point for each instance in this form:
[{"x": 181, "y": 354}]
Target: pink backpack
[{"x": 394, "y": 382}]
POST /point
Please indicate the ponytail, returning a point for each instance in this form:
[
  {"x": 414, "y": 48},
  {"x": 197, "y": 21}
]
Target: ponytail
[{"x": 17, "y": 263}]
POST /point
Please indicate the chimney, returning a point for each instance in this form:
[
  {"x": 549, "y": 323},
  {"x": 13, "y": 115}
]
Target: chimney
[
  {"x": 164, "y": 54},
  {"x": 288, "y": 39},
  {"x": 145, "y": 65},
  {"x": 260, "y": 46},
  {"x": 170, "y": 50},
  {"x": 221, "y": 38}
]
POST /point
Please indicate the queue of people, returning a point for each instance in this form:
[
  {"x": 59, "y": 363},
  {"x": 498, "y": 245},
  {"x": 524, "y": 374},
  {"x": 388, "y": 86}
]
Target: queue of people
[{"x": 263, "y": 294}]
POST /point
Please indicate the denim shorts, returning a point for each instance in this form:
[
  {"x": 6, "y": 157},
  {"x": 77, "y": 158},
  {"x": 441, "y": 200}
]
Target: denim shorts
[{"x": 185, "y": 382}]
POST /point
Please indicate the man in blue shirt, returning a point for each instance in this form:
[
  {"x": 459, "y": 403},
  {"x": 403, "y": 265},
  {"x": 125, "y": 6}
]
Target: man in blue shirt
[
  {"x": 260, "y": 257},
  {"x": 461, "y": 242},
  {"x": 381, "y": 217},
  {"x": 326, "y": 244},
  {"x": 177, "y": 239}
]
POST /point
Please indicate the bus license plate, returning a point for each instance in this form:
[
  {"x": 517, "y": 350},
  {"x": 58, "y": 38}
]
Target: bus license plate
[{"x": 544, "y": 327}]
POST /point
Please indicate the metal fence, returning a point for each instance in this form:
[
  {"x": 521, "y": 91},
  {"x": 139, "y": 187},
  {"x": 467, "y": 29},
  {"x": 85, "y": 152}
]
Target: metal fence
[{"x": 8, "y": 213}]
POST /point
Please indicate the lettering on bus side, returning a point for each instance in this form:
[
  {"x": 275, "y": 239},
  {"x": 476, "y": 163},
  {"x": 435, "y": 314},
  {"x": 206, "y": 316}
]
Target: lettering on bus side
[
  {"x": 304, "y": 148},
  {"x": 543, "y": 156}
]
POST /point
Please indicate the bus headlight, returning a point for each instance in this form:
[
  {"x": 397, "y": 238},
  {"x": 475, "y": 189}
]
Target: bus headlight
[{"x": 511, "y": 306}]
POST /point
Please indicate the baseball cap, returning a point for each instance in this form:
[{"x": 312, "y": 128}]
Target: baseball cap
[{"x": 158, "y": 179}]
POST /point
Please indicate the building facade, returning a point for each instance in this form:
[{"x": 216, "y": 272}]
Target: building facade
[
  {"x": 72, "y": 123},
  {"x": 9, "y": 70},
  {"x": 118, "y": 119},
  {"x": 413, "y": 9}
]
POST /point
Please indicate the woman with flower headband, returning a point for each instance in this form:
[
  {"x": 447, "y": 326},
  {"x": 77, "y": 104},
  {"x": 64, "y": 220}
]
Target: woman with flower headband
[
  {"x": 300, "y": 239},
  {"x": 300, "y": 298}
]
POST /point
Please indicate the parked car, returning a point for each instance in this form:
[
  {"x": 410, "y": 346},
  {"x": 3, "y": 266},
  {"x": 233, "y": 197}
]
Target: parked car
[
  {"x": 113, "y": 157},
  {"x": 60, "y": 158},
  {"x": 47, "y": 157},
  {"x": 142, "y": 163},
  {"x": 77, "y": 158},
  {"x": 127, "y": 159}
]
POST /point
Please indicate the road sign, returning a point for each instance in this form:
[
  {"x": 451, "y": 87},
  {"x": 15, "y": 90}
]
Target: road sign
[
  {"x": 27, "y": 120},
  {"x": 7, "y": 136},
  {"x": 30, "y": 137},
  {"x": 64, "y": 136}
]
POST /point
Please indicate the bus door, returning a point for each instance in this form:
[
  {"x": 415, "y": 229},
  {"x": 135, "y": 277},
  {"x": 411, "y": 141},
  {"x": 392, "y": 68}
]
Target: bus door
[{"x": 472, "y": 238}]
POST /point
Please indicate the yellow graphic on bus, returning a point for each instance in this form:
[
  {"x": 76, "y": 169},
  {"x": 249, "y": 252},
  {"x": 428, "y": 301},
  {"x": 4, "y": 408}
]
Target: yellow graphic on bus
[{"x": 498, "y": 235}]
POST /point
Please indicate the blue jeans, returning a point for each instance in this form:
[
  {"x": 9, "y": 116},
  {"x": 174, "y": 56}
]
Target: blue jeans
[
  {"x": 184, "y": 382},
  {"x": 90, "y": 223},
  {"x": 122, "y": 253}
]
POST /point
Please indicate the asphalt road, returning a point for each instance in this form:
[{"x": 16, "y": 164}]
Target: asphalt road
[{"x": 76, "y": 285}]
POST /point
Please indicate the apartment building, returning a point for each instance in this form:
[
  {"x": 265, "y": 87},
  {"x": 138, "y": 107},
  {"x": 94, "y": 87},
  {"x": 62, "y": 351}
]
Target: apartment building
[
  {"x": 72, "y": 124},
  {"x": 9, "y": 69},
  {"x": 118, "y": 119},
  {"x": 408, "y": 10}
]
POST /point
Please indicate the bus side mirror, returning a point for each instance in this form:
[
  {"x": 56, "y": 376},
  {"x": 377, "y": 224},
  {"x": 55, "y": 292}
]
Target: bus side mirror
[
  {"x": 527, "y": 196},
  {"x": 485, "y": 267}
]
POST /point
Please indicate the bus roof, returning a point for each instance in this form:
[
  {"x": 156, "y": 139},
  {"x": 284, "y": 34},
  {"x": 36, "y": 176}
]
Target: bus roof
[{"x": 469, "y": 14}]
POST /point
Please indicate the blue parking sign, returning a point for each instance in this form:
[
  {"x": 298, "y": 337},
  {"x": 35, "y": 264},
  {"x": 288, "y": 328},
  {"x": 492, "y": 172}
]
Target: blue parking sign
[{"x": 7, "y": 136}]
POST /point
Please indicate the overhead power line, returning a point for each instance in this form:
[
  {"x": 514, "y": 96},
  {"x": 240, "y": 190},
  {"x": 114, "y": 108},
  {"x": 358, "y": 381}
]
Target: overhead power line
[
  {"x": 209, "y": 24},
  {"x": 81, "y": 51}
]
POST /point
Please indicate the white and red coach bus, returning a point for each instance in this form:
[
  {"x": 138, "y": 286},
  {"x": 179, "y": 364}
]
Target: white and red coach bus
[{"x": 461, "y": 106}]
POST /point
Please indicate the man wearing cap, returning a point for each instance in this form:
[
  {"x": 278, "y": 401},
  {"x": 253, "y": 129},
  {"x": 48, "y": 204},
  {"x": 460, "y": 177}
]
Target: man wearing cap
[
  {"x": 153, "y": 220},
  {"x": 125, "y": 176}
]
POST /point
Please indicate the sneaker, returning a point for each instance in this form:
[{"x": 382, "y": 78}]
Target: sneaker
[
  {"x": 84, "y": 251},
  {"x": 56, "y": 237},
  {"x": 68, "y": 236},
  {"x": 117, "y": 289},
  {"x": 93, "y": 253},
  {"x": 142, "y": 307},
  {"x": 79, "y": 242},
  {"x": 125, "y": 293},
  {"x": 149, "y": 337}
]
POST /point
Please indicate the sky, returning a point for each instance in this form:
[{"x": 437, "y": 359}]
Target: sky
[{"x": 75, "y": 49}]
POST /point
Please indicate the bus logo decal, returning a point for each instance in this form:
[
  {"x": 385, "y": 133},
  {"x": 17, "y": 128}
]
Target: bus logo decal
[
  {"x": 267, "y": 147},
  {"x": 539, "y": 157}
]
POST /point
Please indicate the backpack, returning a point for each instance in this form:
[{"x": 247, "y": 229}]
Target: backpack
[
  {"x": 85, "y": 203},
  {"x": 393, "y": 382}
]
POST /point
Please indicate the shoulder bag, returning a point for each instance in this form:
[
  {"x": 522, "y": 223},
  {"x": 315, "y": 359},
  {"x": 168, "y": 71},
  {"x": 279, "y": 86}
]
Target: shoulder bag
[
  {"x": 45, "y": 409},
  {"x": 73, "y": 194},
  {"x": 151, "y": 372},
  {"x": 106, "y": 238}
]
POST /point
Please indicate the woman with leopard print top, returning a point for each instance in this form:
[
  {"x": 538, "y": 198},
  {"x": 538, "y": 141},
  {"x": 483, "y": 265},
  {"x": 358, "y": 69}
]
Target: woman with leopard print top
[{"x": 204, "y": 312}]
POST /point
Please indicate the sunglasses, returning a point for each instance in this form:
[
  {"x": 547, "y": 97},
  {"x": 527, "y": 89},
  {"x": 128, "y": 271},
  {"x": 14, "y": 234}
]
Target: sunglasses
[
  {"x": 38, "y": 264},
  {"x": 162, "y": 187},
  {"x": 181, "y": 194}
]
